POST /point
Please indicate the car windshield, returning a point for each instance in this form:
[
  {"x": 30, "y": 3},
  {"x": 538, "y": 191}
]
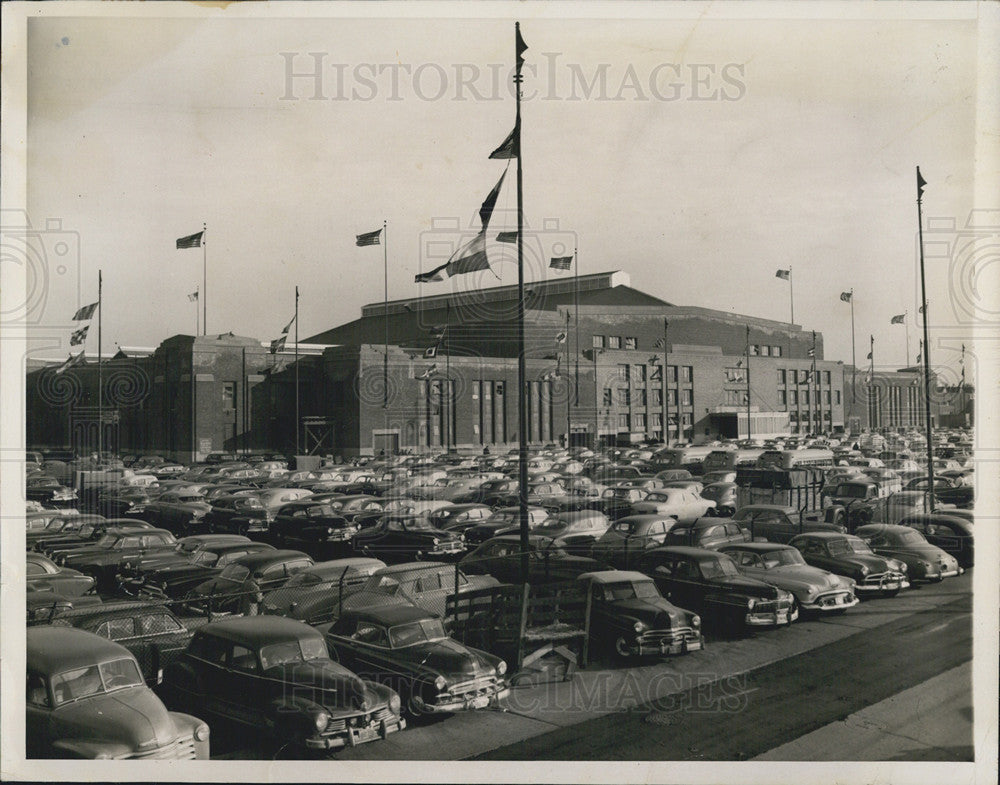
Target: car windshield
[
  {"x": 187, "y": 547},
  {"x": 630, "y": 590},
  {"x": 782, "y": 557},
  {"x": 95, "y": 679},
  {"x": 235, "y": 572},
  {"x": 718, "y": 568},
  {"x": 852, "y": 491},
  {"x": 106, "y": 541},
  {"x": 87, "y": 531},
  {"x": 304, "y": 579},
  {"x": 416, "y": 632},
  {"x": 552, "y": 526},
  {"x": 909, "y": 537},
  {"x": 848, "y": 545},
  {"x": 657, "y": 496},
  {"x": 293, "y": 651},
  {"x": 625, "y": 527}
]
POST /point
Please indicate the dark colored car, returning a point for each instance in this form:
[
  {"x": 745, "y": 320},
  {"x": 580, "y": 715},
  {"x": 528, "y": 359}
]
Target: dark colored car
[
  {"x": 924, "y": 562},
  {"x": 349, "y": 507},
  {"x": 850, "y": 556},
  {"x": 724, "y": 496},
  {"x": 43, "y": 527},
  {"x": 86, "y": 699},
  {"x": 629, "y": 615},
  {"x": 180, "y": 512},
  {"x": 275, "y": 674},
  {"x": 314, "y": 525},
  {"x": 616, "y": 502},
  {"x": 815, "y": 590},
  {"x": 44, "y": 575},
  {"x": 49, "y": 492},
  {"x": 44, "y": 606},
  {"x": 575, "y": 532},
  {"x": 630, "y": 537},
  {"x": 778, "y": 523},
  {"x": 241, "y": 585},
  {"x": 708, "y": 533},
  {"x": 399, "y": 538},
  {"x": 228, "y": 513},
  {"x": 547, "y": 563},
  {"x": 105, "y": 558},
  {"x": 946, "y": 490},
  {"x": 709, "y": 582},
  {"x": 503, "y": 521},
  {"x": 150, "y": 631},
  {"x": 406, "y": 647},
  {"x": 492, "y": 493},
  {"x": 86, "y": 536},
  {"x": 950, "y": 533},
  {"x": 460, "y": 517},
  {"x": 117, "y": 502}
]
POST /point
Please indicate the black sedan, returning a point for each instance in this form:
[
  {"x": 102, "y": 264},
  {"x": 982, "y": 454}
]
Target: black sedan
[
  {"x": 44, "y": 575},
  {"x": 709, "y": 582},
  {"x": 105, "y": 558},
  {"x": 947, "y": 490},
  {"x": 407, "y": 538},
  {"x": 315, "y": 526},
  {"x": 275, "y": 674},
  {"x": 407, "y": 649},
  {"x": 850, "y": 556},
  {"x": 950, "y": 533},
  {"x": 547, "y": 563},
  {"x": 241, "y": 585}
]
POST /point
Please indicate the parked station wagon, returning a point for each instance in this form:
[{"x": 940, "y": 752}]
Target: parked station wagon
[
  {"x": 86, "y": 699},
  {"x": 276, "y": 674}
]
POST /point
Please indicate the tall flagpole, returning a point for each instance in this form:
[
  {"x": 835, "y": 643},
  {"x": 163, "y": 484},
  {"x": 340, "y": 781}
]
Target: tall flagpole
[
  {"x": 385, "y": 313},
  {"x": 791, "y": 294},
  {"x": 854, "y": 359},
  {"x": 814, "y": 387},
  {"x": 749, "y": 429},
  {"x": 297, "y": 370},
  {"x": 566, "y": 341},
  {"x": 576, "y": 310},
  {"x": 906, "y": 329},
  {"x": 204, "y": 278},
  {"x": 666, "y": 389},
  {"x": 100, "y": 367},
  {"x": 522, "y": 425},
  {"x": 927, "y": 344},
  {"x": 197, "y": 311}
]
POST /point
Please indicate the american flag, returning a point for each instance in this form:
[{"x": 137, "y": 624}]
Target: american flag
[
  {"x": 87, "y": 312},
  {"x": 561, "y": 262},
  {"x": 191, "y": 241},
  {"x": 507, "y": 237},
  {"x": 73, "y": 359},
  {"x": 369, "y": 238},
  {"x": 79, "y": 336}
]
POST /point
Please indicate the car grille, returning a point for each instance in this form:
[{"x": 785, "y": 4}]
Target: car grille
[
  {"x": 877, "y": 579},
  {"x": 450, "y": 546},
  {"x": 673, "y": 637},
  {"x": 377, "y": 717},
  {"x": 486, "y": 685},
  {"x": 830, "y": 599},
  {"x": 179, "y": 749}
]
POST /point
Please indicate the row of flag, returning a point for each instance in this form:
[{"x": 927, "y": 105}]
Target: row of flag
[{"x": 79, "y": 336}]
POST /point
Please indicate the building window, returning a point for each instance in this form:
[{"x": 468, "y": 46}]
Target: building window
[
  {"x": 672, "y": 398},
  {"x": 630, "y": 343},
  {"x": 826, "y": 397},
  {"x": 623, "y": 372},
  {"x": 686, "y": 418},
  {"x": 624, "y": 396},
  {"x": 735, "y": 375},
  {"x": 782, "y": 398},
  {"x": 781, "y": 376},
  {"x": 754, "y": 350},
  {"x": 607, "y": 397},
  {"x": 776, "y": 351},
  {"x": 672, "y": 374},
  {"x": 735, "y": 397},
  {"x": 793, "y": 397},
  {"x": 793, "y": 416},
  {"x": 229, "y": 395},
  {"x": 614, "y": 342},
  {"x": 657, "y": 396},
  {"x": 805, "y": 397},
  {"x": 639, "y": 374},
  {"x": 623, "y": 422},
  {"x": 837, "y": 397},
  {"x": 765, "y": 351},
  {"x": 639, "y": 421},
  {"x": 686, "y": 373},
  {"x": 686, "y": 397},
  {"x": 656, "y": 420},
  {"x": 642, "y": 397},
  {"x": 476, "y": 385},
  {"x": 598, "y": 341},
  {"x": 826, "y": 377}
]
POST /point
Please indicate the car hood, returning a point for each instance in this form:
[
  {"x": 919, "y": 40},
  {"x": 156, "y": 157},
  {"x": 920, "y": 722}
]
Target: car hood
[
  {"x": 448, "y": 658},
  {"x": 176, "y": 572},
  {"x": 747, "y": 585},
  {"x": 658, "y": 612},
  {"x": 339, "y": 687},
  {"x": 133, "y": 716},
  {"x": 873, "y": 562},
  {"x": 926, "y": 552},
  {"x": 801, "y": 576}
]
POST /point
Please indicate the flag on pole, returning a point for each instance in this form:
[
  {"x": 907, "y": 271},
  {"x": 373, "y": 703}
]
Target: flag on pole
[
  {"x": 79, "y": 336},
  {"x": 191, "y": 241},
  {"x": 519, "y": 47},
  {"x": 739, "y": 363},
  {"x": 69, "y": 362},
  {"x": 507, "y": 148},
  {"x": 87, "y": 312},
  {"x": 659, "y": 343},
  {"x": 846, "y": 296},
  {"x": 561, "y": 337},
  {"x": 811, "y": 352},
  {"x": 369, "y": 238},
  {"x": 439, "y": 329},
  {"x": 785, "y": 275},
  {"x": 427, "y": 373},
  {"x": 193, "y": 297},
  {"x": 922, "y": 308},
  {"x": 561, "y": 262},
  {"x": 288, "y": 326},
  {"x": 278, "y": 344},
  {"x": 898, "y": 319},
  {"x": 431, "y": 351},
  {"x": 437, "y": 274},
  {"x": 869, "y": 357},
  {"x": 507, "y": 237},
  {"x": 921, "y": 183}
]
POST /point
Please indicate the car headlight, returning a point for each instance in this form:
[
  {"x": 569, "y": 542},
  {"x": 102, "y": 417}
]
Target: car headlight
[
  {"x": 900, "y": 565},
  {"x": 201, "y": 732},
  {"x": 695, "y": 621},
  {"x": 321, "y": 720},
  {"x": 502, "y": 668},
  {"x": 638, "y": 626},
  {"x": 435, "y": 541},
  {"x": 329, "y": 530},
  {"x": 440, "y": 683},
  {"x": 863, "y": 571},
  {"x": 394, "y": 704},
  {"x": 751, "y": 603}
]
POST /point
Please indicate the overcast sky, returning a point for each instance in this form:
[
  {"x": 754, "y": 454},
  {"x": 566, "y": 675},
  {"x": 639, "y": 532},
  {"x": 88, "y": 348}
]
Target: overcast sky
[{"x": 712, "y": 154}]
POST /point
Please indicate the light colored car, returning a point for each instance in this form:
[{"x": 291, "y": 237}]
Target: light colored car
[{"x": 684, "y": 505}]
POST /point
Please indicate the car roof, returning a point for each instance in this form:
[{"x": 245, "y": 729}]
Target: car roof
[
  {"x": 413, "y": 565},
  {"x": 390, "y": 615},
  {"x": 821, "y": 535},
  {"x": 216, "y": 539},
  {"x": 257, "y": 631},
  {"x": 613, "y": 576},
  {"x": 871, "y": 528},
  {"x": 336, "y": 566},
  {"x": 758, "y": 547},
  {"x": 116, "y": 608},
  {"x": 56, "y": 649},
  {"x": 686, "y": 550},
  {"x": 778, "y": 507},
  {"x": 252, "y": 560},
  {"x": 646, "y": 517}
]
